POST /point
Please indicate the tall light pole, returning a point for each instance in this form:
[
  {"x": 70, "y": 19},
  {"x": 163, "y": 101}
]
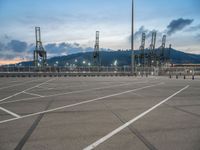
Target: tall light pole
[{"x": 132, "y": 41}]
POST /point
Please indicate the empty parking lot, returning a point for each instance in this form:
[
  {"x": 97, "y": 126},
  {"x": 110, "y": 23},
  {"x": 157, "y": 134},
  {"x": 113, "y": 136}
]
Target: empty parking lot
[{"x": 114, "y": 113}]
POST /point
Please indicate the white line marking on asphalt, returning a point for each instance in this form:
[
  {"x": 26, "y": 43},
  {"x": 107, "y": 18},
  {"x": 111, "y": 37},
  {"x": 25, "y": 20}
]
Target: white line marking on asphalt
[
  {"x": 81, "y": 103},
  {"x": 139, "y": 95},
  {"x": 11, "y": 113},
  {"x": 58, "y": 88},
  {"x": 24, "y": 91},
  {"x": 45, "y": 88},
  {"x": 33, "y": 94},
  {"x": 69, "y": 86},
  {"x": 79, "y": 91},
  {"x": 13, "y": 82},
  {"x": 18, "y": 84},
  {"x": 103, "y": 139}
]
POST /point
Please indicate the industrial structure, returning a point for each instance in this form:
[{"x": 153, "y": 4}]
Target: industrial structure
[
  {"x": 152, "y": 56},
  {"x": 40, "y": 55},
  {"x": 96, "y": 54}
]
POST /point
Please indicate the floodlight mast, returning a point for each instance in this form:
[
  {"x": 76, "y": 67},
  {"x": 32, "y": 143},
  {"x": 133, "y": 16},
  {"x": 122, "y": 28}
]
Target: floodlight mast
[{"x": 132, "y": 42}]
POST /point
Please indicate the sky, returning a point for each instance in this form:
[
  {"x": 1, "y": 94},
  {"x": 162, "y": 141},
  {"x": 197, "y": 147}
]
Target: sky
[{"x": 69, "y": 26}]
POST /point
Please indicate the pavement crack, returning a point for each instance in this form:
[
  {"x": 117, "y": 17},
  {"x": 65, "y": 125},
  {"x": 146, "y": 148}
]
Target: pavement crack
[
  {"x": 182, "y": 110},
  {"x": 29, "y": 132}
]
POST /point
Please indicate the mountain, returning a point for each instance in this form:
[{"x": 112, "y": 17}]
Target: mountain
[
  {"x": 179, "y": 57},
  {"x": 109, "y": 57}
]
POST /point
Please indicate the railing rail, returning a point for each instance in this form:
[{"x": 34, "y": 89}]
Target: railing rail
[{"x": 104, "y": 69}]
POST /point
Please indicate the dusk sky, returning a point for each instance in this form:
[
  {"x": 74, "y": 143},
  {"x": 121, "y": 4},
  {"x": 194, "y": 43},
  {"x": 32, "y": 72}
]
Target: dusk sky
[{"x": 74, "y": 22}]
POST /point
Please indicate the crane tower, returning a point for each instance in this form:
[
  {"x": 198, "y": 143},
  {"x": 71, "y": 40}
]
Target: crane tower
[{"x": 40, "y": 55}]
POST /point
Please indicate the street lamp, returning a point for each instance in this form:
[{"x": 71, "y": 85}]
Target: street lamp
[{"x": 115, "y": 63}]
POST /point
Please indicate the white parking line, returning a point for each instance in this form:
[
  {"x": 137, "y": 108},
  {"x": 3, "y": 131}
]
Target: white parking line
[
  {"x": 11, "y": 113},
  {"x": 63, "y": 87},
  {"x": 103, "y": 139},
  {"x": 66, "y": 87},
  {"x": 24, "y": 90},
  {"x": 5, "y": 87},
  {"x": 45, "y": 88},
  {"x": 13, "y": 81},
  {"x": 80, "y": 103},
  {"x": 33, "y": 94},
  {"x": 73, "y": 92}
]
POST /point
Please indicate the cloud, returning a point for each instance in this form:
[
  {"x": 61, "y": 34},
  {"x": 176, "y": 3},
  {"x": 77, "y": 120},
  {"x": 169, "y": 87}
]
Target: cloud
[
  {"x": 13, "y": 61},
  {"x": 139, "y": 32},
  {"x": 65, "y": 48},
  {"x": 142, "y": 29},
  {"x": 198, "y": 37},
  {"x": 17, "y": 46},
  {"x": 194, "y": 28},
  {"x": 14, "y": 49},
  {"x": 148, "y": 32},
  {"x": 178, "y": 25},
  {"x": 6, "y": 37},
  {"x": 19, "y": 49},
  {"x": 2, "y": 46}
]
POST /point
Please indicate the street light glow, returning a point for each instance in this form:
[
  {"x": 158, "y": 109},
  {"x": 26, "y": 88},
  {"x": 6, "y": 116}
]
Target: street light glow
[{"x": 115, "y": 63}]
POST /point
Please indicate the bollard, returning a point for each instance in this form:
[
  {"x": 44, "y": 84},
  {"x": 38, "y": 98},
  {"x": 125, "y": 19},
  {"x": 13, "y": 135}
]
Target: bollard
[
  {"x": 192, "y": 77},
  {"x": 184, "y": 77},
  {"x": 170, "y": 76},
  {"x": 176, "y": 76}
]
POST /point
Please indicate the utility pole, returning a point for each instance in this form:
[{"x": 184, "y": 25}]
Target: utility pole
[{"x": 132, "y": 42}]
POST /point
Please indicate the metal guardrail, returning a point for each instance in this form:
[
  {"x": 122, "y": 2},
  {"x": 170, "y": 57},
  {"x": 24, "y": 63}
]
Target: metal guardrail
[
  {"x": 64, "y": 69},
  {"x": 164, "y": 71}
]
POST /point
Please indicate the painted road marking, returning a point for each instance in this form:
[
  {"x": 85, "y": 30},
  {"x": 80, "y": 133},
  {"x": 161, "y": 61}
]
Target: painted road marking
[
  {"x": 73, "y": 92},
  {"x": 59, "y": 88},
  {"x": 10, "y": 112},
  {"x": 103, "y": 139},
  {"x": 33, "y": 94},
  {"x": 66, "y": 87},
  {"x": 81, "y": 103},
  {"x": 46, "y": 88},
  {"x": 18, "y": 84},
  {"x": 24, "y": 90}
]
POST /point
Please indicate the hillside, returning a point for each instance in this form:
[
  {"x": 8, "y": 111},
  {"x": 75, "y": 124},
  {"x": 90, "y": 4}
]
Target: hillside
[{"x": 108, "y": 57}]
